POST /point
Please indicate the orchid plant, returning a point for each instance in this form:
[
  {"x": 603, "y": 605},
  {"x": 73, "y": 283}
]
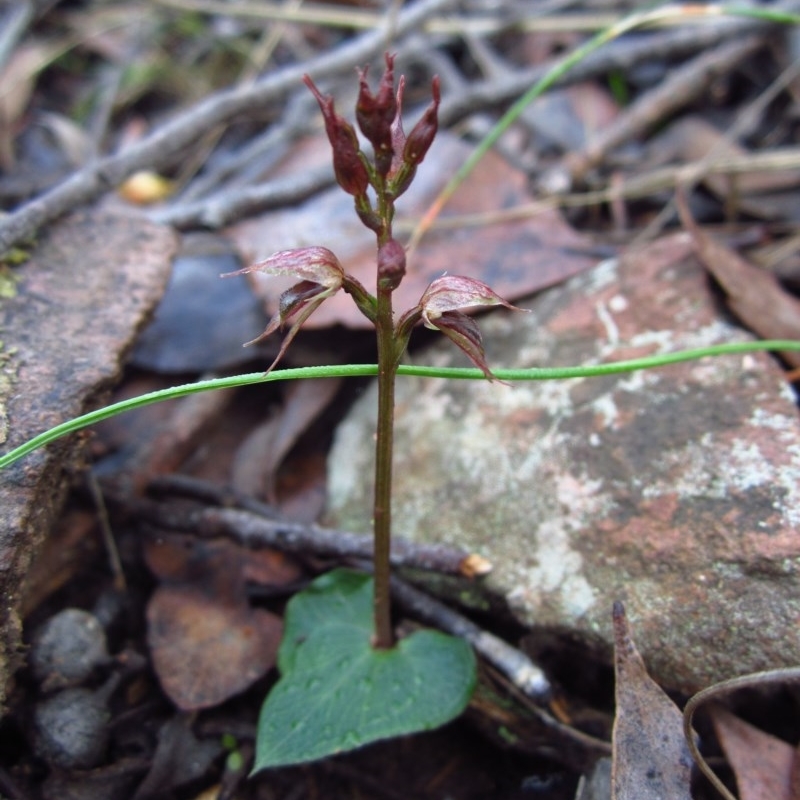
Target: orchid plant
[{"x": 376, "y": 679}]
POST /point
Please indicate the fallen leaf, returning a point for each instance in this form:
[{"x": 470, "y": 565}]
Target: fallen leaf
[
  {"x": 206, "y": 650},
  {"x": 258, "y": 459},
  {"x": 753, "y": 294},
  {"x": 207, "y": 643},
  {"x": 515, "y": 258},
  {"x": 567, "y": 119},
  {"x": 302, "y": 487},
  {"x": 17, "y": 82},
  {"x": 761, "y": 763},
  {"x": 650, "y": 758},
  {"x": 180, "y": 758},
  {"x": 219, "y": 565}
]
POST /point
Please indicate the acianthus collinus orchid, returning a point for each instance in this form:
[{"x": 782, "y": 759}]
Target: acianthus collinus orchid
[
  {"x": 390, "y": 172},
  {"x": 375, "y": 181}
]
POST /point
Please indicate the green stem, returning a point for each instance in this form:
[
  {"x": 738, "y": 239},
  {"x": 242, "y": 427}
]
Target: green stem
[
  {"x": 382, "y": 512},
  {"x": 370, "y": 370}
]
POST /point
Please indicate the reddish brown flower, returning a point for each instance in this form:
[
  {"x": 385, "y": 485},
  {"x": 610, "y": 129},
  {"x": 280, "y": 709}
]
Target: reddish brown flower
[
  {"x": 375, "y": 114},
  {"x": 321, "y": 275},
  {"x": 441, "y": 309},
  {"x": 348, "y": 166}
]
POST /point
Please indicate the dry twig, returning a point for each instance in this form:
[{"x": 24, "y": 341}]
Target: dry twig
[
  {"x": 165, "y": 144},
  {"x": 253, "y": 530},
  {"x": 514, "y": 664},
  {"x": 679, "y": 88}
]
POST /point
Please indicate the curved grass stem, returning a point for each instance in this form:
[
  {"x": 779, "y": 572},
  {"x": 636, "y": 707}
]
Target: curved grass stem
[{"x": 367, "y": 370}]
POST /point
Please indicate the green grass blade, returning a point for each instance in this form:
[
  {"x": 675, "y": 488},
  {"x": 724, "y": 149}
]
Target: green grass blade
[{"x": 367, "y": 370}]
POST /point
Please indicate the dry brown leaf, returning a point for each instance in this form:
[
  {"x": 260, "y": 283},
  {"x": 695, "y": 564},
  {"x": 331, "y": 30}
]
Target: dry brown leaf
[
  {"x": 515, "y": 258},
  {"x": 207, "y": 643},
  {"x": 753, "y": 294},
  {"x": 650, "y": 758},
  {"x": 206, "y": 650},
  {"x": 255, "y": 467},
  {"x": 17, "y": 82},
  {"x": 219, "y": 565},
  {"x": 794, "y": 778},
  {"x": 762, "y": 763}
]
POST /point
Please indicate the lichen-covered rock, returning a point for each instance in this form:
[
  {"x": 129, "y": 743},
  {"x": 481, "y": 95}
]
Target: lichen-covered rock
[{"x": 675, "y": 490}]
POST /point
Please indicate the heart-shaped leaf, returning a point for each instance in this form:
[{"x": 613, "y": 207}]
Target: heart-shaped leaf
[{"x": 337, "y": 692}]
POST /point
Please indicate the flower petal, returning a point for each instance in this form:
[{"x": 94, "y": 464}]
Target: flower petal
[
  {"x": 315, "y": 264},
  {"x": 464, "y": 332},
  {"x": 455, "y": 292}
]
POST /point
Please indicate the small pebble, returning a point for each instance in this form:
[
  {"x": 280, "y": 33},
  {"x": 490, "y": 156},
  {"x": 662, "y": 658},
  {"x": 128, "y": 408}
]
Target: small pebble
[
  {"x": 67, "y": 649},
  {"x": 71, "y": 728}
]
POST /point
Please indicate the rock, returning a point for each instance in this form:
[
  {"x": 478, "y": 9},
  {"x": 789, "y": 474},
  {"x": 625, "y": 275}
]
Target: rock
[
  {"x": 193, "y": 299},
  {"x": 67, "y": 649},
  {"x": 68, "y": 317},
  {"x": 71, "y": 729},
  {"x": 675, "y": 490}
]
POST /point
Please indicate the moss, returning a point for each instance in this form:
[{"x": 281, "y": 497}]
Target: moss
[
  {"x": 8, "y": 377},
  {"x": 8, "y": 278}
]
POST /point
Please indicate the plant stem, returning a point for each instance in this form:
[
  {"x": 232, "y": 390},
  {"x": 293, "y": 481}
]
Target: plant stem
[{"x": 382, "y": 512}]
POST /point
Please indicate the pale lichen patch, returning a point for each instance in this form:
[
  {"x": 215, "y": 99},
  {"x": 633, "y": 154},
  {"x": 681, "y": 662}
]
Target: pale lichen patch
[{"x": 676, "y": 489}]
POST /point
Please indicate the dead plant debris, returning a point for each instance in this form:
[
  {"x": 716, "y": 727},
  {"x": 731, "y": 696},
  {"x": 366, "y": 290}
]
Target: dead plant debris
[{"x": 155, "y": 121}]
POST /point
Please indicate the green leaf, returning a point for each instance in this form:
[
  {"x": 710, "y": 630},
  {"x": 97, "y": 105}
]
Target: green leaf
[{"x": 337, "y": 692}]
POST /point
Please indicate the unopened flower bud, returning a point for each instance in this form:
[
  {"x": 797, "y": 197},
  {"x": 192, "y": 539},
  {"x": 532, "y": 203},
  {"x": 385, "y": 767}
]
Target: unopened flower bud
[
  {"x": 398, "y": 134},
  {"x": 391, "y": 264},
  {"x": 351, "y": 174},
  {"x": 422, "y": 134},
  {"x": 376, "y": 113}
]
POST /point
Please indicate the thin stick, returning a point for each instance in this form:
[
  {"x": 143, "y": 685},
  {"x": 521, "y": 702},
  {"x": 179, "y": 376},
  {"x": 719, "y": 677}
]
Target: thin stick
[
  {"x": 112, "y": 551},
  {"x": 253, "y": 530},
  {"x": 167, "y": 142},
  {"x": 680, "y": 87},
  {"x": 514, "y": 664},
  {"x": 239, "y": 201},
  {"x": 12, "y": 25}
]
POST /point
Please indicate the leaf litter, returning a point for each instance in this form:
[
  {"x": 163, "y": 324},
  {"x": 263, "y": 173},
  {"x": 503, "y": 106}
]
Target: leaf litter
[
  {"x": 204, "y": 595},
  {"x": 651, "y": 760}
]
